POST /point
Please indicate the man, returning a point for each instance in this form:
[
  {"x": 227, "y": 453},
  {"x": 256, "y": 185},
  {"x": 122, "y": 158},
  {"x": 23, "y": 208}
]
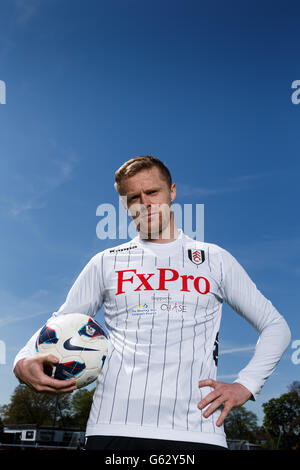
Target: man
[{"x": 162, "y": 294}]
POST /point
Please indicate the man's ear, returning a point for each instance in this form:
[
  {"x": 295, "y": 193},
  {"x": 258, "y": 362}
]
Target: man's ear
[
  {"x": 173, "y": 192},
  {"x": 124, "y": 201}
]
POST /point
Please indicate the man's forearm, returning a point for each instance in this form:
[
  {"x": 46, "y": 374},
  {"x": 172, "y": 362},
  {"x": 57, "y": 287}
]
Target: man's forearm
[{"x": 273, "y": 341}]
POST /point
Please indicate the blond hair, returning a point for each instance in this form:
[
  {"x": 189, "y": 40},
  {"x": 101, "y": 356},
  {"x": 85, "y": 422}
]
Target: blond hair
[{"x": 137, "y": 164}]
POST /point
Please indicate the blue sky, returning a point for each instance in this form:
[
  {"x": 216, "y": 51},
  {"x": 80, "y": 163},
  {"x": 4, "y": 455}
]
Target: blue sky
[{"x": 206, "y": 87}]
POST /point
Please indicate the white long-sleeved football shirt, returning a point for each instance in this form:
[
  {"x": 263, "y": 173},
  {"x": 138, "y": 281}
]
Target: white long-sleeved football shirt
[{"x": 163, "y": 306}]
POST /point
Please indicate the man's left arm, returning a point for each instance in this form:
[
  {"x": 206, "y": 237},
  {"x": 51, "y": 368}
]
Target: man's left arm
[{"x": 240, "y": 292}]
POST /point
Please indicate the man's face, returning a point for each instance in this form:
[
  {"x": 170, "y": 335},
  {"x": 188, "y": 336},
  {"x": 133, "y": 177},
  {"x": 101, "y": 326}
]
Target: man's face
[{"x": 148, "y": 201}]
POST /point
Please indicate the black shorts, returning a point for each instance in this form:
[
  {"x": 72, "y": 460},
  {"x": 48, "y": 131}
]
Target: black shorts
[{"x": 121, "y": 443}]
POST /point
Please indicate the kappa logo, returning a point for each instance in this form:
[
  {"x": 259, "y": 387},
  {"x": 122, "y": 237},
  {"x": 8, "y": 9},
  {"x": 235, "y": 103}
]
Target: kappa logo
[
  {"x": 196, "y": 256},
  {"x": 119, "y": 250}
]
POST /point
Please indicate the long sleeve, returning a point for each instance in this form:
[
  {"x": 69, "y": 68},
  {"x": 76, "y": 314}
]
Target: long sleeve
[
  {"x": 240, "y": 292},
  {"x": 85, "y": 296}
]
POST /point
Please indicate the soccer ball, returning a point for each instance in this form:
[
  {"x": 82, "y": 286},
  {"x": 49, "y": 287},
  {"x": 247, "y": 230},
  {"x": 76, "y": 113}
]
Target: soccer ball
[{"x": 78, "y": 342}]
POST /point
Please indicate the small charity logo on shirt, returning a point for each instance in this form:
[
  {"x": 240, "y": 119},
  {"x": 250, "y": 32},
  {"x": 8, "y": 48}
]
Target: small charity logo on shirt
[{"x": 143, "y": 310}]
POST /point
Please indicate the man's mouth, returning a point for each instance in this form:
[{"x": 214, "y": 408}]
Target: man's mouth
[{"x": 149, "y": 215}]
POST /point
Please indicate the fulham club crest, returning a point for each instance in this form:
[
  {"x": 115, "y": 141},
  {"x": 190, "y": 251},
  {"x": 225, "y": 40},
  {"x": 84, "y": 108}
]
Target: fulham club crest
[{"x": 196, "y": 256}]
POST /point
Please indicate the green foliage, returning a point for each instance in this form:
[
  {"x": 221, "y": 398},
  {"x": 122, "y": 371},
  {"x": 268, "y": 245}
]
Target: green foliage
[
  {"x": 241, "y": 424},
  {"x": 80, "y": 406},
  {"x": 30, "y": 407},
  {"x": 282, "y": 418},
  {"x": 46, "y": 409}
]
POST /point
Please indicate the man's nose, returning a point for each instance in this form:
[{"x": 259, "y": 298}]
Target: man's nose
[{"x": 145, "y": 200}]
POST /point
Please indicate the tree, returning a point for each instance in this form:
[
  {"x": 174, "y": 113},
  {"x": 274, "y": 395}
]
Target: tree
[
  {"x": 30, "y": 407},
  {"x": 80, "y": 406},
  {"x": 241, "y": 424},
  {"x": 294, "y": 387},
  {"x": 282, "y": 418}
]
